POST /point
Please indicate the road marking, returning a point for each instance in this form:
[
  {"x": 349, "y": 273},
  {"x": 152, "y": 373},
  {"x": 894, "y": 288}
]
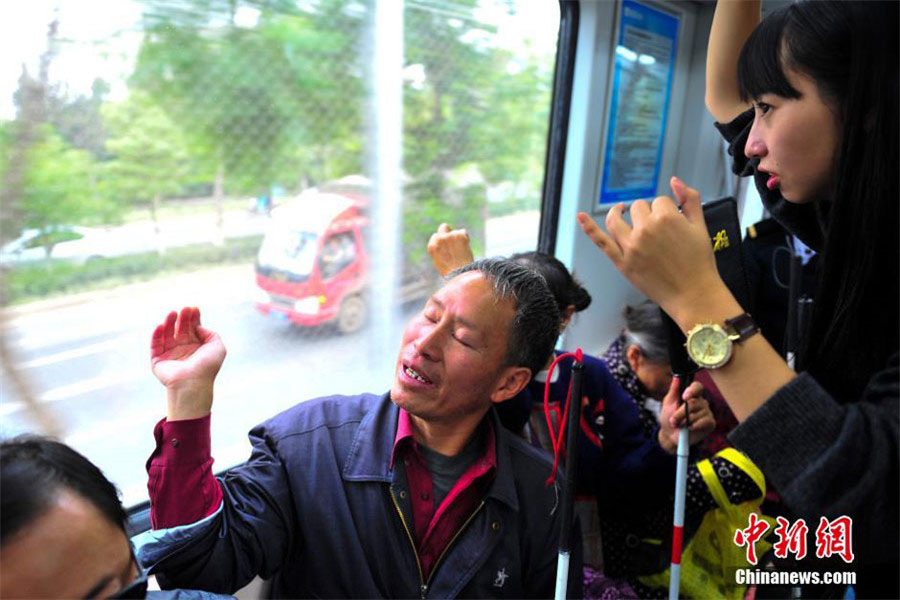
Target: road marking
[
  {"x": 23, "y": 339},
  {"x": 75, "y": 389},
  {"x": 73, "y": 353}
]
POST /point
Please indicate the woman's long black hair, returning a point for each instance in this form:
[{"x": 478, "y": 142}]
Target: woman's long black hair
[
  {"x": 850, "y": 50},
  {"x": 566, "y": 290}
]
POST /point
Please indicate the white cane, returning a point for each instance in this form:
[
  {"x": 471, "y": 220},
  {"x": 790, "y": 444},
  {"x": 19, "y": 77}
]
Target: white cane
[{"x": 678, "y": 520}]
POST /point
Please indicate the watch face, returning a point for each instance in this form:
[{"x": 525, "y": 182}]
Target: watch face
[{"x": 709, "y": 346}]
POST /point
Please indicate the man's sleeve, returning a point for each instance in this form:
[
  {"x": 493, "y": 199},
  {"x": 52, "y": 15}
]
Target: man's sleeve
[
  {"x": 249, "y": 533},
  {"x": 181, "y": 484}
]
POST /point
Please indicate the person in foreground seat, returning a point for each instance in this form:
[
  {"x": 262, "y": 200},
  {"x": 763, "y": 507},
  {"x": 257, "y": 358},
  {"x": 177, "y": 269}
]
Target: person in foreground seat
[
  {"x": 62, "y": 528},
  {"x": 418, "y": 492}
]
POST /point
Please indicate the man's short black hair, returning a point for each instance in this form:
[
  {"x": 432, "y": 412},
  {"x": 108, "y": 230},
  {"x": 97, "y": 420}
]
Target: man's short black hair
[
  {"x": 535, "y": 326},
  {"x": 33, "y": 472}
]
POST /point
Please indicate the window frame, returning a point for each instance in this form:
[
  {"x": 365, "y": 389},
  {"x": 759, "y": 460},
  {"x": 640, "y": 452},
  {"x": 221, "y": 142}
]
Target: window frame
[{"x": 558, "y": 130}]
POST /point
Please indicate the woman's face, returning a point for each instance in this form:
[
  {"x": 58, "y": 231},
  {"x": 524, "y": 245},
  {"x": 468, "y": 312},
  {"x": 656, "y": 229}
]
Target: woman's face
[
  {"x": 796, "y": 140},
  {"x": 656, "y": 377}
]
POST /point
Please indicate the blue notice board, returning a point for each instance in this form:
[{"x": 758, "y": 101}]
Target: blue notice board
[{"x": 642, "y": 87}]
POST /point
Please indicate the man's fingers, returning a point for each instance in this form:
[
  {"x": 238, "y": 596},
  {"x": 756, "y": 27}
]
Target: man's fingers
[
  {"x": 169, "y": 329},
  {"x": 158, "y": 341},
  {"x": 194, "y": 324},
  {"x": 183, "y": 324},
  {"x": 697, "y": 407},
  {"x": 600, "y": 238},
  {"x": 698, "y": 412},
  {"x": 696, "y": 404},
  {"x": 205, "y": 334},
  {"x": 444, "y": 228}
]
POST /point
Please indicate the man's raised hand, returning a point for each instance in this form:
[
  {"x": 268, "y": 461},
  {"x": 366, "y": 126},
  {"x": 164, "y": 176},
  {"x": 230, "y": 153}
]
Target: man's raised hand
[
  {"x": 186, "y": 357},
  {"x": 449, "y": 249}
]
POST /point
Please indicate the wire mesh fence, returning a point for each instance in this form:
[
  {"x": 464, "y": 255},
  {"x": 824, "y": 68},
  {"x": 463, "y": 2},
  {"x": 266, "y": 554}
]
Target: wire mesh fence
[{"x": 222, "y": 154}]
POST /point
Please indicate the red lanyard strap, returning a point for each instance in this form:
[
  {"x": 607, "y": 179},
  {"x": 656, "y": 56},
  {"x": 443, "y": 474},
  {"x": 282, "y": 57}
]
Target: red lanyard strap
[{"x": 556, "y": 438}]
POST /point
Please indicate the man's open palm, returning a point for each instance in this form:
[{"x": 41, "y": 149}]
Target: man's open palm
[{"x": 184, "y": 353}]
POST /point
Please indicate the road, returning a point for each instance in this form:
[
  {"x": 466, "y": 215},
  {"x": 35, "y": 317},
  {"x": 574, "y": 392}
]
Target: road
[{"x": 87, "y": 360}]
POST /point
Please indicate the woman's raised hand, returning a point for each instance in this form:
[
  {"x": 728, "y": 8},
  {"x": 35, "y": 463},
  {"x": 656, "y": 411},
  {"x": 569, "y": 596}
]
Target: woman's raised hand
[{"x": 665, "y": 252}]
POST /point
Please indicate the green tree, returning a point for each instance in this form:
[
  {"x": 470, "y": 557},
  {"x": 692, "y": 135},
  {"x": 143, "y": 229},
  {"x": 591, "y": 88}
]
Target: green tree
[
  {"x": 57, "y": 186},
  {"x": 477, "y": 118},
  {"x": 78, "y": 120},
  {"x": 150, "y": 155},
  {"x": 278, "y": 102},
  {"x": 75, "y": 118}
]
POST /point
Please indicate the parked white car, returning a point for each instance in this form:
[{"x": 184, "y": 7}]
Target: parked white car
[{"x": 73, "y": 243}]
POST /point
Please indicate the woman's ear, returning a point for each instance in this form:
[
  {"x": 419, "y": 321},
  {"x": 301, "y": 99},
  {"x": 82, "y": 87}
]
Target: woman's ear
[
  {"x": 634, "y": 356},
  {"x": 566, "y": 317}
]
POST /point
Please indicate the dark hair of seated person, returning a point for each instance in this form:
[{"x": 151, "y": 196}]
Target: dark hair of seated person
[
  {"x": 565, "y": 288},
  {"x": 62, "y": 526},
  {"x": 33, "y": 470}
]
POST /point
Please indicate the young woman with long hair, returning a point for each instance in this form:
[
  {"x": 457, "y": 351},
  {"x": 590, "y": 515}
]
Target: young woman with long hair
[{"x": 808, "y": 101}]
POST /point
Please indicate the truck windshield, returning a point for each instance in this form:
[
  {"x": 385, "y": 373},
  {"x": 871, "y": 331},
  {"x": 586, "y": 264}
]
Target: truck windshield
[{"x": 289, "y": 250}]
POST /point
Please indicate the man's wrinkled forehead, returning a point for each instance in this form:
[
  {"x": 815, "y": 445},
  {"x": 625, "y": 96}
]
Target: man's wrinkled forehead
[
  {"x": 497, "y": 294},
  {"x": 474, "y": 289}
]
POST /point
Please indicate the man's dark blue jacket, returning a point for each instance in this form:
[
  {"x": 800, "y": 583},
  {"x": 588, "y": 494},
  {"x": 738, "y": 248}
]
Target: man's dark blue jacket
[{"x": 313, "y": 509}]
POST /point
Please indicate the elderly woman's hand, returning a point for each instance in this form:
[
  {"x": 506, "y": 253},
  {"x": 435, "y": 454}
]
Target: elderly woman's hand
[
  {"x": 665, "y": 252},
  {"x": 672, "y": 416}
]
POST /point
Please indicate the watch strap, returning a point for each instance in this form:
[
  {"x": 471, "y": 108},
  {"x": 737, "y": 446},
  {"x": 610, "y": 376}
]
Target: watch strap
[{"x": 742, "y": 326}]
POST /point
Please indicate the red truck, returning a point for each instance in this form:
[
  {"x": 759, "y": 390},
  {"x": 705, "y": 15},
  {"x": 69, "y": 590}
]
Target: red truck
[{"x": 313, "y": 266}]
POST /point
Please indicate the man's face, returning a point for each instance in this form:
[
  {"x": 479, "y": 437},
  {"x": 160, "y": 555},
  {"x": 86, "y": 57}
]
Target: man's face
[
  {"x": 451, "y": 361},
  {"x": 70, "y": 551}
]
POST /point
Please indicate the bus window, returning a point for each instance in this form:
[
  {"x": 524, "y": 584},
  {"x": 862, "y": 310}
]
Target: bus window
[{"x": 223, "y": 155}]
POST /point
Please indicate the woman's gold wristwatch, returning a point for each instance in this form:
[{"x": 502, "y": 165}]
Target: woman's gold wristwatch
[{"x": 710, "y": 345}]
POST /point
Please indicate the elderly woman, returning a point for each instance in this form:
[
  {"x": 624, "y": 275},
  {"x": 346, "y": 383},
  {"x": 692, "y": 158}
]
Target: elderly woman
[{"x": 639, "y": 361}]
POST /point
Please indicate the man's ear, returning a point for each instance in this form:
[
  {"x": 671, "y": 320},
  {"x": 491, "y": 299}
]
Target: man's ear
[
  {"x": 634, "y": 356},
  {"x": 511, "y": 381}
]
